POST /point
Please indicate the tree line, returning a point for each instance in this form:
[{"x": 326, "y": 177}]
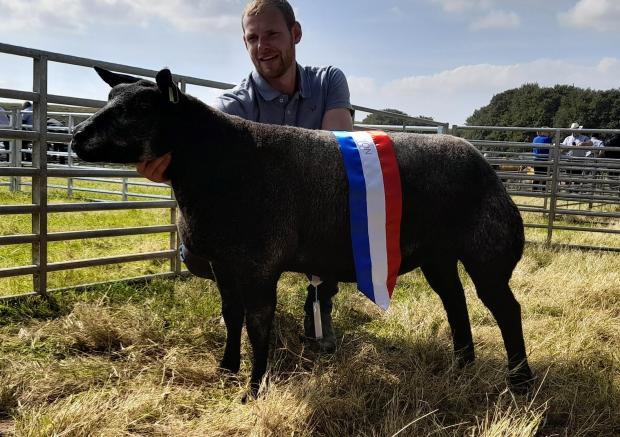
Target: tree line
[
  {"x": 558, "y": 106},
  {"x": 536, "y": 106}
]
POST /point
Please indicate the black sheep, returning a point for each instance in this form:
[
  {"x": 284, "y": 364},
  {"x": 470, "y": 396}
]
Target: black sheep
[{"x": 258, "y": 200}]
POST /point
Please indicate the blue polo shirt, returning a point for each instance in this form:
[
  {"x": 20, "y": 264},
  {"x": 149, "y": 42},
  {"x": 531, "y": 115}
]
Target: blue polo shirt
[
  {"x": 319, "y": 90},
  {"x": 541, "y": 153}
]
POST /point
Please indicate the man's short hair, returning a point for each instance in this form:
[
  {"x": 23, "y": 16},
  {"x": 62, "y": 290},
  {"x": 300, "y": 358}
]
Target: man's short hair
[{"x": 256, "y": 7}]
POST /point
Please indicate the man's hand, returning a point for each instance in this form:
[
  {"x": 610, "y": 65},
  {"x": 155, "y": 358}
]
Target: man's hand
[{"x": 155, "y": 170}]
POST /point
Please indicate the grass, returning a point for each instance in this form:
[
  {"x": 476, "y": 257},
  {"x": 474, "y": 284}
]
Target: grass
[
  {"x": 126, "y": 359},
  {"x": 18, "y": 255},
  {"x": 142, "y": 360}
]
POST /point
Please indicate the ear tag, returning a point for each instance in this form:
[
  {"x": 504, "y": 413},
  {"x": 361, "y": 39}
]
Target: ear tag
[
  {"x": 315, "y": 281},
  {"x": 173, "y": 96}
]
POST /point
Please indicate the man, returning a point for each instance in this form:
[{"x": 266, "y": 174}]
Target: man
[
  {"x": 280, "y": 91},
  {"x": 576, "y": 138},
  {"x": 5, "y": 123},
  {"x": 596, "y": 142},
  {"x": 27, "y": 113},
  {"x": 541, "y": 154}
]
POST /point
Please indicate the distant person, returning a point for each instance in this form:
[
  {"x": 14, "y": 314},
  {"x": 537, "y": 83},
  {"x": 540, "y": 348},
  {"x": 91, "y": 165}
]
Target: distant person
[
  {"x": 27, "y": 113},
  {"x": 26, "y": 125},
  {"x": 596, "y": 142},
  {"x": 577, "y": 138},
  {"x": 541, "y": 154},
  {"x": 5, "y": 122}
]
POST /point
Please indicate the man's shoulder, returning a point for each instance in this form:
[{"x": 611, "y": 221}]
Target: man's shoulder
[
  {"x": 237, "y": 100},
  {"x": 324, "y": 73}
]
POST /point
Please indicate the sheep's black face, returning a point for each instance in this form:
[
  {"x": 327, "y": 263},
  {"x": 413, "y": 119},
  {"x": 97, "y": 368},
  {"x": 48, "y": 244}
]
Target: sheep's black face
[{"x": 131, "y": 126}]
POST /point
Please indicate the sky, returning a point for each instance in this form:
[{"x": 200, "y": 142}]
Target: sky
[{"x": 437, "y": 58}]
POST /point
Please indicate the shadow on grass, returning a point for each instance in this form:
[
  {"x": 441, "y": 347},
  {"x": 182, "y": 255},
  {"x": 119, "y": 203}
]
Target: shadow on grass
[{"x": 374, "y": 384}]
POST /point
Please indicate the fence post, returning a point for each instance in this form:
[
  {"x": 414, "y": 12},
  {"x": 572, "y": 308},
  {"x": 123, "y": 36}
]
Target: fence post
[
  {"x": 71, "y": 125},
  {"x": 124, "y": 189},
  {"x": 555, "y": 174},
  {"x": 39, "y": 182},
  {"x": 16, "y": 152}
]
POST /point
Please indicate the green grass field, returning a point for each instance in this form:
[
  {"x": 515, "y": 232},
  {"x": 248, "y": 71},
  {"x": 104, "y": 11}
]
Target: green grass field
[{"x": 141, "y": 359}]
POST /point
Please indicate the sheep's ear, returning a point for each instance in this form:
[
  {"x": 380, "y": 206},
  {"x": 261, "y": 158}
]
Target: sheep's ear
[
  {"x": 114, "y": 79},
  {"x": 167, "y": 86}
]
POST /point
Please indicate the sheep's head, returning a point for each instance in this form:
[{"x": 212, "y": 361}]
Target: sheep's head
[{"x": 133, "y": 125}]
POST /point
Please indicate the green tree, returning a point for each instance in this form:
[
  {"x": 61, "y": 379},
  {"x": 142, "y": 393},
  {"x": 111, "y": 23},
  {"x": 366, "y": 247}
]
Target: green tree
[
  {"x": 388, "y": 119},
  {"x": 558, "y": 106},
  {"x": 379, "y": 118}
]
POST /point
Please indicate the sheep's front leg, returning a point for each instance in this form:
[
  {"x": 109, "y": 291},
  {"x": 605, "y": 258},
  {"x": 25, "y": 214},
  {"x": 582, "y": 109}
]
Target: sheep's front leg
[
  {"x": 260, "y": 309},
  {"x": 233, "y": 314}
]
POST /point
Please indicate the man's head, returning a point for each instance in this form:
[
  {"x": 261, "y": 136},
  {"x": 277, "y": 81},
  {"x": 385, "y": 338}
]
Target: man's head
[
  {"x": 270, "y": 33},
  {"x": 575, "y": 129}
]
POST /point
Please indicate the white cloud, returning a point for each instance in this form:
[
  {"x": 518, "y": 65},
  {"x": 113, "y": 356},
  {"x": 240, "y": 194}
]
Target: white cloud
[
  {"x": 593, "y": 15},
  {"x": 463, "y": 5},
  {"x": 452, "y": 95},
  {"x": 483, "y": 14},
  {"x": 497, "y": 20},
  {"x": 206, "y": 16}
]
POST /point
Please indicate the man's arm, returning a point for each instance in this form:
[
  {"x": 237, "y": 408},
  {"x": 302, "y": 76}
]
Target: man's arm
[
  {"x": 338, "y": 115},
  {"x": 337, "y": 119}
]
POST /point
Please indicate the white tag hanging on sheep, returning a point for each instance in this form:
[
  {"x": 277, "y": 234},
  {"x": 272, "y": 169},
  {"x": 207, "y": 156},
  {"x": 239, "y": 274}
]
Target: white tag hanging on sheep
[
  {"x": 173, "y": 95},
  {"x": 315, "y": 281}
]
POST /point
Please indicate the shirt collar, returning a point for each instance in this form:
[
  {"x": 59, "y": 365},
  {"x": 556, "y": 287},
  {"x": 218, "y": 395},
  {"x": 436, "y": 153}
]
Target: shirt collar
[{"x": 268, "y": 93}]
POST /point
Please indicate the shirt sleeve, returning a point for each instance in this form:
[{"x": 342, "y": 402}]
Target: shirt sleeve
[
  {"x": 233, "y": 104},
  {"x": 338, "y": 95}
]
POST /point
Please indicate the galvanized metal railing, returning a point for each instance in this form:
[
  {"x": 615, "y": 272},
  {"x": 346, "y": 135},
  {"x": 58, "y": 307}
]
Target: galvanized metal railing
[
  {"x": 585, "y": 190},
  {"x": 581, "y": 182},
  {"x": 41, "y": 170}
]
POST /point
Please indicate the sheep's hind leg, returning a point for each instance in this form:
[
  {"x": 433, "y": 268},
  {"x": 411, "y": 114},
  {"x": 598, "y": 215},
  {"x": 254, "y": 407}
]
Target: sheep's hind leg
[
  {"x": 442, "y": 275},
  {"x": 495, "y": 293}
]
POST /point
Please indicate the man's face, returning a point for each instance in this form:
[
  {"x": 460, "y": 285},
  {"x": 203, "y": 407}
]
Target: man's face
[{"x": 270, "y": 43}]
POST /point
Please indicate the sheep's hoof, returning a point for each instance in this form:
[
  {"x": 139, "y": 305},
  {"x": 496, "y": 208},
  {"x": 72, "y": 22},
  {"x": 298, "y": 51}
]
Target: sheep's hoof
[
  {"x": 229, "y": 368},
  {"x": 464, "y": 357},
  {"x": 251, "y": 394},
  {"x": 521, "y": 380}
]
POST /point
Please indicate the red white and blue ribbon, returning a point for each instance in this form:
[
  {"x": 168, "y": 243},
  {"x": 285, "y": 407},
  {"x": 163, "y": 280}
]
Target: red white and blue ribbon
[{"x": 375, "y": 203}]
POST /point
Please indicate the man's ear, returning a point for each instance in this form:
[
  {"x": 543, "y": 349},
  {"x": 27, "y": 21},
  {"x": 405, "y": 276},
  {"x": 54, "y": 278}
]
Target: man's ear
[
  {"x": 296, "y": 30},
  {"x": 167, "y": 86},
  {"x": 114, "y": 79}
]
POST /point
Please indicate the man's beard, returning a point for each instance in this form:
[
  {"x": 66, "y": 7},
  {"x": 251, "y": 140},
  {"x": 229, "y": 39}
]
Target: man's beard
[{"x": 286, "y": 59}]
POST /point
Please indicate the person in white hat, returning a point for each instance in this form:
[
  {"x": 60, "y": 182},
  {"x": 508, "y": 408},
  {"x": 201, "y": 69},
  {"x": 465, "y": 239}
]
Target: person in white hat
[{"x": 577, "y": 138}]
